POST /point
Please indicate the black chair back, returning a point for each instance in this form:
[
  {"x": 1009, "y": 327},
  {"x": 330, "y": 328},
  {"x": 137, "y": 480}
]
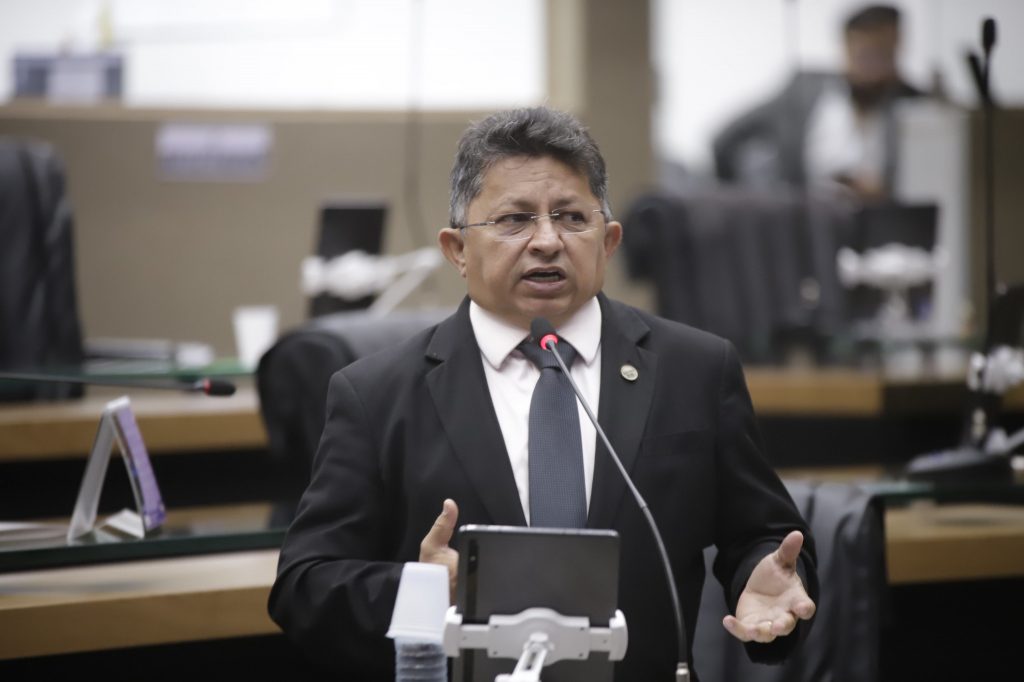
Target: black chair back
[{"x": 39, "y": 325}]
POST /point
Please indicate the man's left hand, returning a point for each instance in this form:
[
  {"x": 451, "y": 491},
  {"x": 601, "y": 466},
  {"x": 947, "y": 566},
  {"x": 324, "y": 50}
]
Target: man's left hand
[
  {"x": 435, "y": 548},
  {"x": 774, "y": 598}
]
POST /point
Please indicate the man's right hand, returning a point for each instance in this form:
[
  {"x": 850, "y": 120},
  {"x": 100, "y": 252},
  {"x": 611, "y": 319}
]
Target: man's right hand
[{"x": 435, "y": 550}]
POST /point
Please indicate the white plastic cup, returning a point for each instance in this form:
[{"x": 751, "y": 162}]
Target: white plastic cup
[
  {"x": 421, "y": 603},
  {"x": 255, "y": 332},
  {"x": 417, "y": 623}
]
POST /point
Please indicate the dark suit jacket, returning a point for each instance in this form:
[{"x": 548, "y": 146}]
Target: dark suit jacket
[
  {"x": 414, "y": 424},
  {"x": 777, "y": 130}
]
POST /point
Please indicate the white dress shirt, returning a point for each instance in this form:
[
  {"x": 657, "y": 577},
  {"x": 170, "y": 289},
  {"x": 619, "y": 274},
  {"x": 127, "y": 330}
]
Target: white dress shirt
[
  {"x": 839, "y": 142},
  {"x": 511, "y": 378}
]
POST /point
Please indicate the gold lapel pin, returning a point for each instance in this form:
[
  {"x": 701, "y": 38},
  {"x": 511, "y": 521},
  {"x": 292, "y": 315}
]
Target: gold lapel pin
[{"x": 629, "y": 372}]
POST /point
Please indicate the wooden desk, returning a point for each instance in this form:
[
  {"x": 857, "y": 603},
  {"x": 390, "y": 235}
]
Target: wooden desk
[
  {"x": 165, "y": 601},
  {"x": 170, "y": 422},
  {"x": 845, "y": 393},
  {"x": 108, "y": 606},
  {"x": 136, "y": 603},
  {"x": 851, "y": 393},
  {"x": 928, "y": 543}
]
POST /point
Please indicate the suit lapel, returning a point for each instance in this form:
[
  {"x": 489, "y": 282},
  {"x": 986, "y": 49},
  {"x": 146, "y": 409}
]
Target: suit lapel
[
  {"x": 458, "y": 388},
  {"x": 624, "y": 406}
]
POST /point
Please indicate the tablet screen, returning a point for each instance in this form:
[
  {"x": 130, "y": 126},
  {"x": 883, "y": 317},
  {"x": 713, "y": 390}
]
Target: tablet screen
[
  {"x": 504, "y": 570},
  {"x": 140, "y": 470}
]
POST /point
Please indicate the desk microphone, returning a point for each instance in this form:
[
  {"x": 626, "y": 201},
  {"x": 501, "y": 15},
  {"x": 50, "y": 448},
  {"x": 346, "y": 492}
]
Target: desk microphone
[
  {"x": 215, "y": 387},
  {"x": 543, "y": 333}
]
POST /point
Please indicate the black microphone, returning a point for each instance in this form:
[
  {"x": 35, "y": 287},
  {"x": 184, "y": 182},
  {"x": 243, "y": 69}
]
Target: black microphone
[
  {"x": 988, "y": 35},
  {"x": 543, "y": 333},
  {"x": 214, "y": 387},
  {"x": 988, "y": 41}
]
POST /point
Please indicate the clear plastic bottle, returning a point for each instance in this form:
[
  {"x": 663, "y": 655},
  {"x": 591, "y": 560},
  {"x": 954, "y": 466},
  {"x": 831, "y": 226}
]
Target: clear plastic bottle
[{"x": 420, "y": 661}]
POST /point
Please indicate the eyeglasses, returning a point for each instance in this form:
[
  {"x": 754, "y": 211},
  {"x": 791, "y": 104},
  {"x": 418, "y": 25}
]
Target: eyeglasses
[{"x": 511, "y": 227}]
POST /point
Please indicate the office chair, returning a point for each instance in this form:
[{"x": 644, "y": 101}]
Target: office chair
[
  {"x": 843, "y": 644},
  {"x": 39, "y": 323},
  {"x": 294, "y": 374},
  {"x": 755, "y": 268}
]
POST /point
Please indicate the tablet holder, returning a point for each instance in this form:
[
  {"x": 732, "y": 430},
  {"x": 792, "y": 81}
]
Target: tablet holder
[
  {"x": 537, "y": 637},
  {"x": 510, "y": 607},
  {"x": 118, "y": 427}
]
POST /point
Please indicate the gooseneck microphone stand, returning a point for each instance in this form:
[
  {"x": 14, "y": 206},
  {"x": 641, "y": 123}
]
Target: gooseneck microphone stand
[
  {"x": 213, "y": 387},
  {"x": 972, "y": 459},
  {"x": 543, "y": 333}
]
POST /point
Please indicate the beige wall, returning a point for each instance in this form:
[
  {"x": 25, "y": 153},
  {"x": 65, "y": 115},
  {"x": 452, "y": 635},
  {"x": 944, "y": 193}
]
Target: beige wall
[
  {"x": 171, "y": 259},
  {"x": 617, "y": 96}
]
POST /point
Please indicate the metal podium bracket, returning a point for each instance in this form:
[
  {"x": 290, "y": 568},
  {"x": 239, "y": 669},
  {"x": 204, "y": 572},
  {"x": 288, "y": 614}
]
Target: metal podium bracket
[{"x": 536, "y": 632}]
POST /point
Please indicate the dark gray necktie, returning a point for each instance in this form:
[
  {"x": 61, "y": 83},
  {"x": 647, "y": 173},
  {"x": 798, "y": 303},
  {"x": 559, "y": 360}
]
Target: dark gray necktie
[{"x": 558, "y": 498}]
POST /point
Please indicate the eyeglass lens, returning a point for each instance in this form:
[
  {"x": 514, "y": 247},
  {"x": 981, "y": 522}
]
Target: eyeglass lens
[{"x": 523, "y": 224}]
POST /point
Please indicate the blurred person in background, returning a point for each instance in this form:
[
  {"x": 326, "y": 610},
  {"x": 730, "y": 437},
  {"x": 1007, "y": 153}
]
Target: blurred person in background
[{"x": 827, "y": 128}]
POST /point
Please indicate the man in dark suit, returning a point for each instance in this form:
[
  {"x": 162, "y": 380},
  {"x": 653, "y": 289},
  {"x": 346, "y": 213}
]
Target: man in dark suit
[
  {"x": 828, "y": 128},
  {"x": 440, "y": 422}
]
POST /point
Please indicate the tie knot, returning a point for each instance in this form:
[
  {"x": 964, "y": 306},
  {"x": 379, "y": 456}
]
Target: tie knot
[{"x": 544, "y": 359}]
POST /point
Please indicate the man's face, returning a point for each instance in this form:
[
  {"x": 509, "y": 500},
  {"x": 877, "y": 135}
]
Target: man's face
[
  {"x": 871, "y": 58},
  {"x": 546, "y": 275}
]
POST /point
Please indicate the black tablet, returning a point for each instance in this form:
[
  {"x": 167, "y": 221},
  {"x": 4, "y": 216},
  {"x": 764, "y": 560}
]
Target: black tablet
[{"x": 504, "y": 570}]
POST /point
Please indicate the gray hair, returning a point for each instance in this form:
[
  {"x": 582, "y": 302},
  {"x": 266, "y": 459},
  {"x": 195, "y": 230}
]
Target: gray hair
[{"x": 534, "y": 132}]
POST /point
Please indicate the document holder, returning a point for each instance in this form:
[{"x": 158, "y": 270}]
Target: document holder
[
  {"x": 516, "y": 583},
  {"x": 118, "y": 427}
]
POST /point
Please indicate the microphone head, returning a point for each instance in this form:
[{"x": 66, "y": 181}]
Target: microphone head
[
  {"x": 542, "y": 331},
  {"x": 988, "y": 34},
  {"x": 217, "y": 387}
]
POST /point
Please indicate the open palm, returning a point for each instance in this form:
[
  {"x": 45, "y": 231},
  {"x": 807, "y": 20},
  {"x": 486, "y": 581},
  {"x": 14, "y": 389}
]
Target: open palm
[{"x": 774, "y": 598}]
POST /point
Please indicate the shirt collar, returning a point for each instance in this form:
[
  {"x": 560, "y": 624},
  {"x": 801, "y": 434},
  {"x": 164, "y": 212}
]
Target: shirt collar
[{"x": 497, "y": 338}]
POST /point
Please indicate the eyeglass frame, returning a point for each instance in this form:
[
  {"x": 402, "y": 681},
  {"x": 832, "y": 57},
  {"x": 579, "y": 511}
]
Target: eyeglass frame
[{"x": 535, "y": 219}]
